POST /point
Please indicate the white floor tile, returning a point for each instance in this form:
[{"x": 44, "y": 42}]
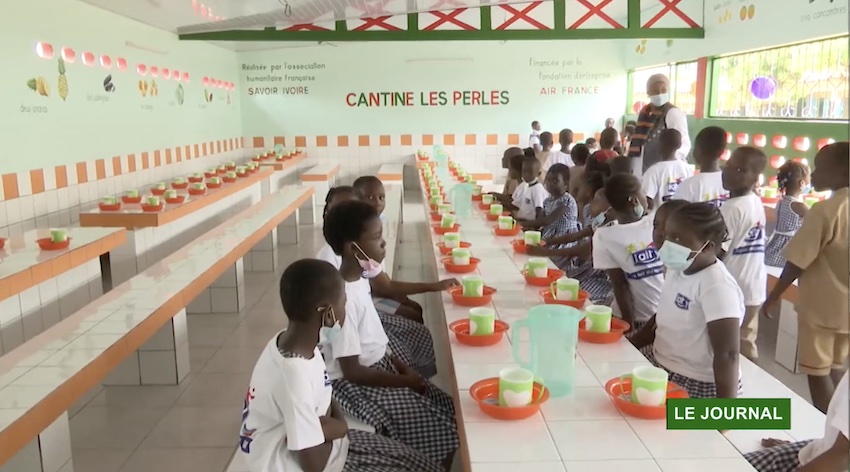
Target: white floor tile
[
  {"x": 647, "y": 465},
  {"x": 497, "y": 442},
  {"x": 579, "y": 440}
]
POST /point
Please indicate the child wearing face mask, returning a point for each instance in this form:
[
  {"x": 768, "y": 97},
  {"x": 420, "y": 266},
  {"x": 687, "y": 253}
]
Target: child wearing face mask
[
  {"x": 695, "y": 334},
  {"x": 625, "y": 251},
  {"x": 289, "y": 418},
  {"x": 369, "y": 380}
]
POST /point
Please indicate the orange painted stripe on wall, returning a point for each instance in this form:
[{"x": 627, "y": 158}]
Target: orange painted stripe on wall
[{"x": 37, "y": 181}]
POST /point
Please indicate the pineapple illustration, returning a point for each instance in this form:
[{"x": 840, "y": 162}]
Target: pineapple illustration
[{"x": 63, "y": 80}]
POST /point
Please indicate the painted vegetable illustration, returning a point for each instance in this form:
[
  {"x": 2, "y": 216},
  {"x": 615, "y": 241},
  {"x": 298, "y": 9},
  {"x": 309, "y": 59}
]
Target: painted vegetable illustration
[
  {"x": 63, "y": 80},
  {"x": 154, "y": 89},
  {"x": 107, "y": 84},
  {"x": 178, "y": 94},
  {"x": 143, "y": 87},
  {"x": 39, "y": 85},
  {"x": 208, "y": 96}
]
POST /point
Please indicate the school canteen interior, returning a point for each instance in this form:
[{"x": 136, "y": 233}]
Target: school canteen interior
[{"x": 131, "y": 348}]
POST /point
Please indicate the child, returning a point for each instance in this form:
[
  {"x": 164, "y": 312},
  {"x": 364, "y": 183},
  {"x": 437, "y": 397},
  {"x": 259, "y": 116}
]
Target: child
[
  {"x": 744, "y": 250},
  {"x": 607, "y": 140},
  {"x": 546, "y": 143},
  {"x": 527, "y": 200},
  {"x": 390, "y": 296},
  {"x": 514, "y": 166},
  {"x": 620, "y": 165},
  {"x": 289, "y": 420},
  {"x": 578, "y": 154},
  {"x": 628, "y": 131},
  {"x": 534, "y": 138},
  {"x": 338, "y": 194},
  {"x": 694, "y": 335},
  {"x": 560, "y": 212},
  {"x": 562, "y": 156},
  {"x": 662, "y": 179},
  {"x": 792, "y": 177},
  {"x": 371, "y": 384},
  {"x": 626, "y": 253},
  {"x": 817, "y": 256},
  {"x": 829, "y": 453},
  {"x": 707, "y": 186},
  {"x": 592, "y": 144},
  {"x": 661, "y": 215}
]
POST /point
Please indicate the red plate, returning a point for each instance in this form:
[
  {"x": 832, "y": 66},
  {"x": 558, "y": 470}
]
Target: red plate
[
  {"x": 476, "y": 198},
  {"x": 105, "y": 207},
  {"x": 131, "y": 200},
  {"x": 448, "y": 250},
  {"x": 242, "y": 176},
  {"x": 157, "y": 191},
  {"x": 221, "y": 171},
  {"x": 210, "y": 174},
  {"x": 460, "y": 269},
  {"x": 440, "y": 230},
  {"x": 177, "y": 186},
  {"x": 506, "y": 232},
  {"x": 152, "y": 208},
  {"x": 618, "y": 327},
  {"x": 461, "y": 330},
  {"x": 486, "y": 394},
  {"x": 230, "y": 168},
  {"x": 211, "y": 185},
  {"x": 436, "y": 216},
  {"x": 483, "y": 207},
  {"x": 619, "y": 389},
  {"x": 548, "y": 299},
  {"x": 228, "y": 179},
  {"x": 47, "y": 244},
  {"x": 492, "y": 217},
  {"x": 460, "y": 300},
  {"x": 193, "y": 191},
  {"x": 176, "y": 200},
  {"x": 554, "y": 274},
  {"x": 2, "y": 242},
  {"x": 520, "y": 247},
  {"x": 769, "y": 200},
  {"x": 196, "y": 180}
]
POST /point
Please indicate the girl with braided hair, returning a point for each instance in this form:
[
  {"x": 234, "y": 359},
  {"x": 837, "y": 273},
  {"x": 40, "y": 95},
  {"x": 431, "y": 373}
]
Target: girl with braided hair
[{"x": 793, "y": 177}]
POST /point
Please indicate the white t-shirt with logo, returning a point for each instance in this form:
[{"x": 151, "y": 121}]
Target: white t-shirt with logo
[
  {"x": 703, "y": 187},
  {"x": 688, "y": 304},
  {"x": 280, "y": 414},
  {"x": 836, "y": 423},
  {"x": 528, "y": 198},
  {"x": 661, "y": 181},
  {"x": 327, "y": 254},
  {"x": 557, "y": 157},
  {"x": 629, "y": 247},
  {"x": 745, "y": 220},
  {"x": 362, "y": 333}
]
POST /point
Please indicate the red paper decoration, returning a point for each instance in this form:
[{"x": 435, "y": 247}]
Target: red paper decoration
[
  {"x": 121, "y": 64},
  {"x": 801, "y": 143},
  {"x": 106, "y": 62},
  {"x": 742, "y": 139},
  {"x": 88, "y": 58},
  {"x": 186, "y": 77},
  {"x": 44, "y": 50},
  {"x": 779, "y": 141},
  {"x": 154, "y": 71},
  {"x": 728, "y": 138},
  {"x": 725, "y": 155},
  {"x": 166, "y": 73},
  {"x": 142, "y": 69},
  {"x": 68, "y": 55},
  {"x": 823, "y": 142},
  {"x": 175, "y": 74},
  {"x": 777, "y": 161},
  {"x": 205, "y": 81},
  {"x": 759, "y": 140}
]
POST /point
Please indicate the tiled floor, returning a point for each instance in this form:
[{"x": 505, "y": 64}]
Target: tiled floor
[{"x": 194, "y": 426}]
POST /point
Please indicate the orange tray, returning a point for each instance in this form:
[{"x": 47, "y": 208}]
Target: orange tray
[
  {"x": 769, "y": 200},
  {"x": 228, "y": 179},
  {"x": 210, "y": 174},
  {"x": 176, "y": 200},
  {"x": 221, "y": 171},
  {"x": 436, "y": 216},
  {"x": 448, "y": 250},
  {"x": 460, "y": 269},
  {"x": 618, "y": 327},
  {"x": 483, "y": 207},
  {"x": 131, "y": 200},
  {"x": 548, "y": 299},
  {"x": 177, "y": 186},
  {"x": 46, "y": 244},
  {"x": 619, "y": 389},
  {"x": 520, "y": 247},
  {"x": 195, "y": 180},
  {"x": 461, "y": 330},
  {"x": 506, "y": 232},
  {"x": 151, "y": 208},
  {"x": 476, "y": 198},
  {"x": 196, "y": 192},
  {"x": 486, "y": 394},
  {"x": 460, "y": 300},
  {"x": 440, "y": 230},
  {"x": 554, "y": 274},
  {"x": 209, "y": 185},
  {"x": 105, "y": 207},
  {"x": 2, "y": 242},
  {"x": 230, "y": 168},
  {"x": 243, "y": 175},
  {"x": 492, "y": 217},
  {"x": 158, "y": 191}
]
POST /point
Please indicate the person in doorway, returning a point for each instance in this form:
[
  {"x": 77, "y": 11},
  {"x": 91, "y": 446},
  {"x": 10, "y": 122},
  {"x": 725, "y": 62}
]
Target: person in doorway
[
  {"x": 534, "y": 137},
  {"x": 707, "y": 186},
  {"x": 662, "y": 179},
  {"x": 655, "y": 117},
  {"x": 817, "y": 257}
]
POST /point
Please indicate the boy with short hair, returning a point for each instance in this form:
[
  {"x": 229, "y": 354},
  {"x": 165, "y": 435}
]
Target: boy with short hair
[
  {"x": 817, "y": 256},
  {"x": 534, "y": 138},
  {"x": 527, "y": 201},
  {"x": 512, "y": 161},
  {"x": 579, "y": 155},
  {"x": 707, "y": 186},
  {"x": 562, "y": 156},
  {"x": 607, "y": 140},
  {"x": 592, "y": 144},
  {"x": 743, "y": 252},
  {"x": 546, "y": 143},
  {"x": 662, "y": 179}
]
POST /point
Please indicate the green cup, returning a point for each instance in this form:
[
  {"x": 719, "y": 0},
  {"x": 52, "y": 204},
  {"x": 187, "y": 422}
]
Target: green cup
[
  {"x": 649, "y": 385},
  {"x": 231, "y": 175},
  {"x": 215, "y": 180},
  {"x": 160, "y": 186},
  {"x": 58, "y": 235},
  {"x": 482, "y": 321},
  {"x": 447, "y": 220},
  {"x": 506, "y": 223},
  {"x": 171, "y": 194},
  {"x": 109, "y": 200},
  {"x": 565, "y": 289},
  {"x": 537, "y": 267},
  {"x": 435, "y": 190},
  {"x": 444, "y": 208},
  {"x": 436, "y": 200},
  {"x": 133, "y": 193},
  {"x": 768, "y": 192},
  {"x": 598, "y": 318},
  {"x": 152, "y": 201},
  {"x": 461, "y": 256},
  {"x": 487, "y": 199},
  {"x": 809, "y": 201},
  {"x": 516, "y": 387},
  {"x": 451, "y": 240},
  {"x": 241, "y": 170},
  {"x": 473, "y": 286},
  {"x": 496, "y": 209},
  {"x": 198, "y": 186},
  {"x": 469, "y": 179},
  {"x": 532, "y": 238},
  {"x": 221, "y": 168},
  {"x": 476, "y": 191}
]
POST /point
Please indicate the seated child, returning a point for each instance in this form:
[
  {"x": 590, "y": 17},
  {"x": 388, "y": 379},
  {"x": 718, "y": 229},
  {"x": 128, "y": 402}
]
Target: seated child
[
  {"x": 662, "y": 179},
  {"x": 526, "y": 203},
  {"x": 694, "y": 335},
  {"x": 620, "y": 165},
  {"x": 579, "y": 154},
  {"x": 370, "y": 382},
  {"x": 391, "y": 296},
  {"x": 626, "y": 253},
  {"x": 560, "y": 212},
  {"x": 512, "y": 160},
  {"x": 339, "y": 194},
  {"x": 707, "y": 186},
  {"x": 792, "y": 177},
  {"x": 829, "y": 453},
  {"x": 743, "y": 252},
  {"x": 289, "y": 420},
  {"x": 592, "y": 144}
]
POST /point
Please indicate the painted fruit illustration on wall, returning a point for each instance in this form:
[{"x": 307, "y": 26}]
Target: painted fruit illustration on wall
[
  {"x": 39, "y": 85},
  {"x": 208, "y": 96},
  {"x": 63, "y": 80},
  {"x": 179, "y": 95},
  {"x": 148, "y": 89},
  {"x": 108, "y": 85},
  {"x": 143, "y": 88}
]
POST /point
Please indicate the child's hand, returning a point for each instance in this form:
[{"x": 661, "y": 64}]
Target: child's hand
[
  {"x": 767, "y": 308},
  {"x": 444, "y": 285},
  {"x": 536, "y": 251}
]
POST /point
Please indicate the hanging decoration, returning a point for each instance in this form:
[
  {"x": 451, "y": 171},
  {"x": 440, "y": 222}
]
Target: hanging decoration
[{"x": 762, "y": 87}]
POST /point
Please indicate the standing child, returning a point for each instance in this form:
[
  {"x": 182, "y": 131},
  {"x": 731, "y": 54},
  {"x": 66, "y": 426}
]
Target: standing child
[
  {"x": 607, "y": 140},
  {"x": 707, "y": 186},
  {"x": 744, "y": 251},
  {"x": 561, "y": 156},
  {"x": 579, "y": 154},
  {"x": 660, "y": 220},
  {"x": 626, "y": 253},
  {"x": 817, "y": 256},
  {"x": 514, "y": 166},
  {"x": 289, "y": 420},
  {"x": 662, "y": 179},
  {"x": 792, "y": 177},
  {"x": 592, "y": 144},
  {"x": 369, "y": 381},
  {"x": 546, "y": 143},
  {"x": 694, "y": 335}
]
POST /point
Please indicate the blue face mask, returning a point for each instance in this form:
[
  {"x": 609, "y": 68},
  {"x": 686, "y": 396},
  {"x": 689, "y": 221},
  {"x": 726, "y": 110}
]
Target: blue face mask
[
  {"x": 639, "y": 211},
  {"x": 327, "y": 334},
  {"x": 599, "y": 220},
  {"x": 677, "y": 257}
]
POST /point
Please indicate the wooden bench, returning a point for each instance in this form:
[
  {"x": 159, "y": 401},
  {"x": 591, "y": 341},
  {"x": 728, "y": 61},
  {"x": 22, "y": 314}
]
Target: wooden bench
[
  {"x": 40, "y": 288},
  {"x": 135, "y": 334}
]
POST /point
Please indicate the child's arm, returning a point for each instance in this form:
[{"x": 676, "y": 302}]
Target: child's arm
[
  {"x": 622, "y": 294},
  {"x": 581, "y": 250},
  {"x": 543, "y": 219},
  {"x": 572, "y": 237},
  {"x": 309, "y": 436},
  {"x": 725, "y": 338},
  {"x": 384, "y": 286},
  {"x": 358, "y": 374},
  {"x": 833, "y": 459},
  {"x": 799, "y": 208},
  {"x": 645, "y": 336}
]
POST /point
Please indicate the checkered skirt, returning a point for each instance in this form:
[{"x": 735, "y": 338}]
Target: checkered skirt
[
  {"x": 411, "y": 342},
  {"x": 369, "y": 452},
  {"x": 695, "y": 388},
  {"x": 781, "y": 458},
  {"x": 424, "y": 422}
]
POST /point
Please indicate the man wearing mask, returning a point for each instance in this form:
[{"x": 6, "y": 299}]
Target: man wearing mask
[{"x": 654, "y": 118}]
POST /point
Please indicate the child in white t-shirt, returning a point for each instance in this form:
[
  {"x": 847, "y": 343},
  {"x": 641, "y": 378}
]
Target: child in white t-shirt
[
  {"x": 694, "y": 335},
  {"x": 707, "y": 186},
  {"x": 370, "y": 382},
  {"x": 626, "y": 253},
  {"x": 744, "y": 250},
  {"x": 828, "y": 453},
  {"x": 662, "y": 179},
  {"x": 290, "y": 423},
  {"x": 528, "y": 198}
]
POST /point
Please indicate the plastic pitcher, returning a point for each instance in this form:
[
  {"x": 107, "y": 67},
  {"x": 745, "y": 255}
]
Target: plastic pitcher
[
  {"x": 461, "y": 197},
  {"x": 553, "y": 336}
]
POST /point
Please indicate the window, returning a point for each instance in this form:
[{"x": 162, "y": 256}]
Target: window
[
  {"x": 806, "y": 81},
  {"x": 683, "y": 86}
]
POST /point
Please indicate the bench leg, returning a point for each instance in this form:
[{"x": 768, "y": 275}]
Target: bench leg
[
  {"x": 287, "y": 231},
  {"x": 163, "y": 360},
  {"x": 307, "y": 212},
  {"x": 225, "y": 295},
  {"x": 263, "y": 256},
  {"x": 49, "y": 452}
]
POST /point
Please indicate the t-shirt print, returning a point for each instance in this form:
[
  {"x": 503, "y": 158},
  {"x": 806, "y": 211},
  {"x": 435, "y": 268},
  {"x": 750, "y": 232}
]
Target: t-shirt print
[
  {"x": 646, "y": 261},
  {"x": 715, "y": 198},
  {"x": 753, "y": 242},
  {"x": 672, "y": 186}
]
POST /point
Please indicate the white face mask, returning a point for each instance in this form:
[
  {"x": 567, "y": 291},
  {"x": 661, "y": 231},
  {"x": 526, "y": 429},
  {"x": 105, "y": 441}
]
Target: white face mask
[
  {"x": 327, "y": 334},
  {"x": 678, "y": 257},
  {"x": 371, "y": 268},
  {"x": 660, "y": 100}
]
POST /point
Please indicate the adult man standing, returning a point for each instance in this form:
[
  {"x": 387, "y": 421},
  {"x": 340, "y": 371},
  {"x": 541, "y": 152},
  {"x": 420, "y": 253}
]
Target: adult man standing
[
  {"x": 534, "y": 138},
  {"x": 654, "y": 118}
]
